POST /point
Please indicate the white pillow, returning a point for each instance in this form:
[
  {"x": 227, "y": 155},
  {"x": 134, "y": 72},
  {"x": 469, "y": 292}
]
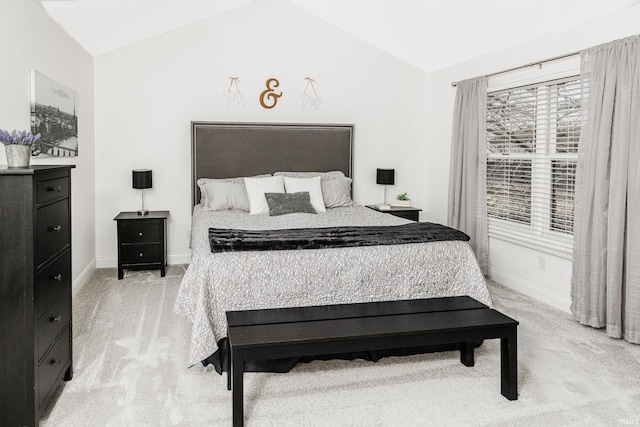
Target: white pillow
[
  {"x": 311, "y": 185},
  {"x": 256, "y": 187}
]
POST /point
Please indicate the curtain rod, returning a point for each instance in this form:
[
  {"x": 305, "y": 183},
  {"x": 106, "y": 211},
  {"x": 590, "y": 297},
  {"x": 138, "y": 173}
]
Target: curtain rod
[{"x": 531, "y": 64}]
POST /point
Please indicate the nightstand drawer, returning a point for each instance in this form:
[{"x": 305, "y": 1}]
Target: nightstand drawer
[
  {"x": 52, "y": 365},
  {"x": 52, "y": 230},
  {"x": 140, "y": 232},
  {"x": 403, "y": 212},
  {"x": 52, "y": 189},
  {"x": 52, "y": 280},
  {"x": 141, "y": 254},
  {"x": 54, "y": 320},
  {"x": 412, "y": 215}
]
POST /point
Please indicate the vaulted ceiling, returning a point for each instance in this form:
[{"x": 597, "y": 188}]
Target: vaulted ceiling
[{"x": 429, "y": 34}]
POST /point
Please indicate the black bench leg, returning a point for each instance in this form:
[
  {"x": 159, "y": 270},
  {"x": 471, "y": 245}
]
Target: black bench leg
[
  {"x": 237, "y": 371},
  {"x": 229, "y": 369},
  {"x": 509, "y": 364},
  {"x": 466, "y": 353}
]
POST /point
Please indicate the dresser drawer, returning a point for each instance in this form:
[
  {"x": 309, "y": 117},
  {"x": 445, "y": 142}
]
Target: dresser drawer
[
  {"x": 52, "y": 280},
  {"x": 53, "y": 230},
  {"x": 52, "y": 189},
  {"x": 52, "y": 321},
  {"x": 147, "y": 231},
  {"x": 141, "y": 254},
  {"x": 52, "y": 365}
]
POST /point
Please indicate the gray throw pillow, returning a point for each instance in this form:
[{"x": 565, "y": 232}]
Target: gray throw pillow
[
  {"x": 337, "y": 192},
  {"x": 202, "y": 182},
  {"x": 286, "y": 203},
  {"x": 225, "y": 195},
  {"x": 323, "y": 175}
]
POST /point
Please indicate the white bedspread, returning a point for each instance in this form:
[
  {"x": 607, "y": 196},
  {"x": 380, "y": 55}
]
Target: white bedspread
[{"x": 217, "y": 282}]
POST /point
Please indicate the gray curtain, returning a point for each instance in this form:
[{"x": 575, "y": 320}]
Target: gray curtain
[
  {"x": 605, "y": 284},
  {"x": 467, "y": 209}
]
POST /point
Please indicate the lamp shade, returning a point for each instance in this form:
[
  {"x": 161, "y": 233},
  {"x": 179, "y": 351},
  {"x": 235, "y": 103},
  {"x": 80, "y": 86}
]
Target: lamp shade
[
  {"x": 385, "y": 176},
  {"x": 142, "y": 178}
]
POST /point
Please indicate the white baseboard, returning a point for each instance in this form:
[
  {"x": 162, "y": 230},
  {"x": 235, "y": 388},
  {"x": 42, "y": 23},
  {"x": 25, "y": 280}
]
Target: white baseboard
[
  {"x": 112, "y": 262},
  {"x": 179, "y": 259},
  {"x": 531, "y": 289},
  {"x": 107, "y": 262},
  {"x": 83, "y": 278}
]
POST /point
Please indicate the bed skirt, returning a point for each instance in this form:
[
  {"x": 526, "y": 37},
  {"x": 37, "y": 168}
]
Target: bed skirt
[{"x": 221, "y": 358}]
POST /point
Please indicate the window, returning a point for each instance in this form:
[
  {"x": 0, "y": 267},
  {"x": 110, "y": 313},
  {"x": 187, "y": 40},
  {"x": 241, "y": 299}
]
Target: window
[{"x": 533, "y": 133}]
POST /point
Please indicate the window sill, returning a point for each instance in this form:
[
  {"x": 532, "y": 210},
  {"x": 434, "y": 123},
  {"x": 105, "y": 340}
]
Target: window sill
[{"x": 545, "y": 247}]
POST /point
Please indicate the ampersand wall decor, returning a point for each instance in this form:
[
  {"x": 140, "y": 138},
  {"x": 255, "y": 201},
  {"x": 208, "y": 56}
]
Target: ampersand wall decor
[{"x": 270, "y": 94}]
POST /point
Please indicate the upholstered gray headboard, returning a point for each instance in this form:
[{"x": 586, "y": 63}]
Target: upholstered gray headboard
[{"x": 226, "y": 150}]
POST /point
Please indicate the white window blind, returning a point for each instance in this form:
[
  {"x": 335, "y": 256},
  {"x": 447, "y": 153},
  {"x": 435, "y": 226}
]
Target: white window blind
[{"x": 533, "y": 132}]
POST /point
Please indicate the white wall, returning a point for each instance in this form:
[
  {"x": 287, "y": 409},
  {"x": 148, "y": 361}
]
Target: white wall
[
  {"x": 31, "y": 40},
  {"x": 147, "y": 95},
  {"x": 512, "y": 265}
]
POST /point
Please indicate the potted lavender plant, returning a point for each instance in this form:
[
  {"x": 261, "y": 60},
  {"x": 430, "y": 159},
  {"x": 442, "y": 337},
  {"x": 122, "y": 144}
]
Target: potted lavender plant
[{"x": 17, "y": 147}]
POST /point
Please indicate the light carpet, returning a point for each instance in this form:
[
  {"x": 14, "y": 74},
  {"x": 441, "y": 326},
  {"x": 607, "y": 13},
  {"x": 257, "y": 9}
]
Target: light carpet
[{"x": 130, "y": 353}]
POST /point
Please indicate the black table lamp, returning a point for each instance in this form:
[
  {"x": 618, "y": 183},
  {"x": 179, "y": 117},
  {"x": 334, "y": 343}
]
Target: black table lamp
[
  {"x": 385, "y": 177},
  {"x": 142, "y": 179}
]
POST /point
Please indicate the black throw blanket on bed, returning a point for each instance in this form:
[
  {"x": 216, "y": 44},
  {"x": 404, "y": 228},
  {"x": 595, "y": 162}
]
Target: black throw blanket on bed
[{"x": 230, "y": 240}]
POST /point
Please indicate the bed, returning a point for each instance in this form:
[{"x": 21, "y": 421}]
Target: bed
[{"x": 217, "y": 282}]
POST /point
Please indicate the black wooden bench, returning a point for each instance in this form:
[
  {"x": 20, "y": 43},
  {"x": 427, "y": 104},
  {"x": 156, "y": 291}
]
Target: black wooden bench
[{"x": 344, "y": 328}]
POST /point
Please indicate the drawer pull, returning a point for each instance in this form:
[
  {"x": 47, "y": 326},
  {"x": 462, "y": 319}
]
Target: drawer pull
[
  {"x": 56, "y": 361},
  {"x": 141, "y": 255},
  {"x": 57, "y": 189},
  {"x": 56, "y": 228},
  {"x": 56, "y": 319},
  {"x": 140, "y": 234},
  {"x": 57, "y": 278}
]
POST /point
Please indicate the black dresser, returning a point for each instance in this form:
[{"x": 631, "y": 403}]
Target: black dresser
[{"x": 35, "y": 289}]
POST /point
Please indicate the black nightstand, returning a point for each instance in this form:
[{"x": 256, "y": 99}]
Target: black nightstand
[
  {"x": 401, "y": 211},
  {"x": 142, "y": 241}
]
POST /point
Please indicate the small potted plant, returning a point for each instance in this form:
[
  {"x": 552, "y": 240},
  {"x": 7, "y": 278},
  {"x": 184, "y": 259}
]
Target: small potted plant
[
  {"x": 17, "y": 147},
  {"x": 402, "y": 199}
]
